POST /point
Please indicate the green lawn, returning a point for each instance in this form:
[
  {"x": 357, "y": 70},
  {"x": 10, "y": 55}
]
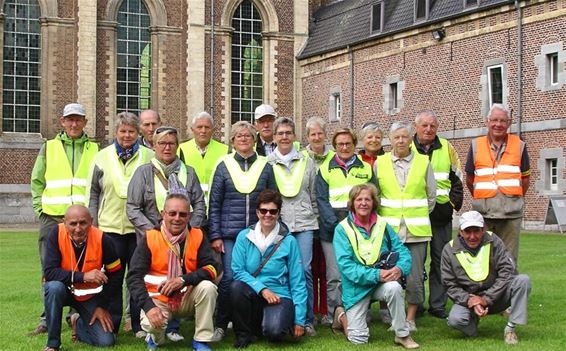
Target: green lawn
[{"x": 543, "y": 257}]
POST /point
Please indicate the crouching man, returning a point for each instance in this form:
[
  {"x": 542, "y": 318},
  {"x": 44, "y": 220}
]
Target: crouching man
[
  {"x": 481, "y": 278},
  {"x": 171, "y": 275},
  {"x": 81, "y": 270}
]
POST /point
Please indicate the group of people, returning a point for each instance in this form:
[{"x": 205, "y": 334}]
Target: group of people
[{"x": 263, "y": 235}]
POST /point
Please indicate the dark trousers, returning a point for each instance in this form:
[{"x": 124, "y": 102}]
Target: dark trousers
[
  {"x": 252, "y": 315},
  {"x": 441, "y": 234},
  {"x": 124, "y": 245}
]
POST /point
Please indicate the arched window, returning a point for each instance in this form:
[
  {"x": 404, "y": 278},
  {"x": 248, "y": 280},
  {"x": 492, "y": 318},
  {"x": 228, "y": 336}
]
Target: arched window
[
  {"x": 133, "y": 77},
  {"x": 22, "y": 74},
  {"x": 247, "y": 62}
]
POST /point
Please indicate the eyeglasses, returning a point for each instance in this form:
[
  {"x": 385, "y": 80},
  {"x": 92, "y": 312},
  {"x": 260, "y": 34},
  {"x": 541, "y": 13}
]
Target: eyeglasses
[
  {"x": 285, "y": 133},
  {"x": 165, "y": 144},
  {"x": 343, "y": 145},
  {"x": 272, "y": 211},
  {"x": 180, "y": 214},
  {"x": 166, "y": 129}
]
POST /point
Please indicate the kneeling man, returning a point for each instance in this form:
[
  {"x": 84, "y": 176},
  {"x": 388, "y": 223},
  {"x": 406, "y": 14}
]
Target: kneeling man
[
  {"x": 81, "y": 270},
  {"x": 481, "y": 278},
  {"x": 171, "y": 275}
]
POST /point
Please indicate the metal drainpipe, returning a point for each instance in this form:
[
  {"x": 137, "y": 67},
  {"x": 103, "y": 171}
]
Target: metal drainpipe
[
  {"x": 519, "y": 66},
  {"x": 212, "y": 58},
  {"x": 351, "y": 57}
]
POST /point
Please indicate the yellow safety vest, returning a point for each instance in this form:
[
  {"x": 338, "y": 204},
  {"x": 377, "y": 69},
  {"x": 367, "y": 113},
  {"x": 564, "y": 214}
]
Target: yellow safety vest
[
  {"x": 366, "y": 250},
  {"x": 244, "y": 181},
  {"x": 203, "y": 165},
  {"x": 441, "y": 165},
  {"x": 64, "y": 187},
  {"x": 339, "y": 185},
  {"x": 476, "y": 267},
  {"x": 411, "y": 203},
  {"x": 121, "y": 174},
  {"x": 289, "y": 184},
  {"x": 160, "y": 191}
]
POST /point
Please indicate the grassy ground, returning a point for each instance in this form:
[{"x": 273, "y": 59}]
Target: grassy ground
[{"x": 542, "y": 257}]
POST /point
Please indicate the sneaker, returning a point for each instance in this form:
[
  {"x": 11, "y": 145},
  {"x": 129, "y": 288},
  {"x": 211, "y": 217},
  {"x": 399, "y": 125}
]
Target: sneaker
[
  {"x": 141, "y": 334},
  {"x": 151, "y": 344},
  {"x": 309, "y": 330},
  {"x": 412, "y": 326},
  {"x": 510, "y": 336},
  {"x": 218, "y": 335},
  {"x": 385, "y": 316},
  {"x": 407, "y": 342},
  {"x": 175, "y": 337},
  {"x": 326, "y": 320},
  {"x": 200, "y": 346}
]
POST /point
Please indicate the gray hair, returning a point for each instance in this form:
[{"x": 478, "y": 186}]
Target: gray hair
[
  {"x": 236, "y": 127},
  {"x": 313, "y": 121},
  {"x": 126, "y": 118},
  {"x": 202, "y": 115},
  {"x": 368, "y": 128},
  {"x": 500, "y": 107},
  {"x": 400, "y": 125},
  {"x": 283, "y": 121},
  {"x": 424, "y": 113}
]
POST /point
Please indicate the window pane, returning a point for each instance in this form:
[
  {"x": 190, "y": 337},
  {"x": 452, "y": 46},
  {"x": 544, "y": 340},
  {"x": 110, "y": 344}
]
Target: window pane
[
  {"x": 496, "y": 84},
  {"x": 376, "y": 18}
]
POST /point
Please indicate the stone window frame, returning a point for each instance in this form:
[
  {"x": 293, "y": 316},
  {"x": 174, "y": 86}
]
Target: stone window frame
[
  {"x": 335, "y": 104},
  {"x": 381, "y": 4},
  {"x": 542, "y": 185},
  {"x": 543, "y": 64},
  {"x": 389, "y": 100},
  {"x": 485, "y": 91}
]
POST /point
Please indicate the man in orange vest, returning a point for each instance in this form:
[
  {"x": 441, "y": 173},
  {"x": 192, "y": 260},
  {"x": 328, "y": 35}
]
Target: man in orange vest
[
  {"x": 171, "y": 275},
  {"x": 81, "y": 270},
  {"x": 497, "y": 175}
]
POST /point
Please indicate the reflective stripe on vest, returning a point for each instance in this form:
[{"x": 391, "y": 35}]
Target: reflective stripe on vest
[
  {"x": 63, "y": 186},
  {"x": 289, "y": 184},
  {"x": 411, "y": 203},
  {"x": 119, "y": 173},
  {"x": 476, "y": 267},
  {"x": 441, "y": 166},
  {"x": 503, "y": 175},
  {"x": 160, "y": 192},
  {"x": 244, "y": 181},
  {"x": 160, "y": 258},
  {"x": 92, "y": 260},
  {"x": 367, "y": 251},
  {"x": 339, "y": 185}
]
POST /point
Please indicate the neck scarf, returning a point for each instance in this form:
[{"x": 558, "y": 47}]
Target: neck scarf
[
  {"x": 174, "y": 266},
  {"x": 126, "y": 154},
  {"x": 262, "y": 241},
  {"x": 369, "y": 225},
  {"x": 285, "y": 159}
]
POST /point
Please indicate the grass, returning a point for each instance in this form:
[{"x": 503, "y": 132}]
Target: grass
[{"x": 542, "y": 257}]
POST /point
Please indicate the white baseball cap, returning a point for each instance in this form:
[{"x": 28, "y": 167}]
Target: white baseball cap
[
  {"x": 74, "y": 109},
  {"x": 471, "y": 219},
  {"x": 264, "y": 110}
]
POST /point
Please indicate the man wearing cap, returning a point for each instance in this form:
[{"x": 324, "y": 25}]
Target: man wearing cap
[
  {"x": 481, "y": 278},
  {"x": 59, "y": 176},
  {"x": 264, "y": 117},
  {"x": 149, "y": 122}
]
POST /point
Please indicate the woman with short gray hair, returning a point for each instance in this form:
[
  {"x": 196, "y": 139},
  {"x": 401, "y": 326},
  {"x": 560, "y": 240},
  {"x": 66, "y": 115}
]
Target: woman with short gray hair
[{"x": 371, "y": 136}]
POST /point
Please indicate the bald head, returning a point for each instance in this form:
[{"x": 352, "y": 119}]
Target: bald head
[
  {"x": 149, "y": 122},
  {"x": 77, "y": 221}
]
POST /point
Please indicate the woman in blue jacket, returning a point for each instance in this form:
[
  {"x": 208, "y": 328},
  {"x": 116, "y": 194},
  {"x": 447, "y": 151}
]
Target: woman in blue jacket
[{"x": 269, "y": 292}]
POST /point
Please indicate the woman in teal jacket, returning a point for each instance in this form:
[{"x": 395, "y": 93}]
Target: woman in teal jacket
[
  {"x": 359, "y": 243},
  {"x": 271, "y": 300}
]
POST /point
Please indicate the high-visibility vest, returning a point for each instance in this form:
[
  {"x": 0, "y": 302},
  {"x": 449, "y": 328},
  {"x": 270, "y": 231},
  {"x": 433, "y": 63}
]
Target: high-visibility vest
[
  {"x": 160, "y": 191},
  {"x": 159, "y": 249},
  {"x": 203, "y": 165},
  {"x": 121, "y": 174},
  {"x": 244, "y": 181},
  {"x": 491, "y": 175},
  {"x": 411, "y": 203},
  {"x": 441, "y": 166},
  {"x": 339, "y": 185},
  {"x": 476, "y": 267},
  {"x": 92, "y": 260},
  {"x": 367, "y": 251},
  {"x": 289, "y": 184},
  {"x": 63, "y": 186}
]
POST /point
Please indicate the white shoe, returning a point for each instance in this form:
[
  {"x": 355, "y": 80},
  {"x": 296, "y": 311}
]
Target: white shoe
[
  {"x": 141, "y": 334},
  {"x": 218, "y": 335},
  {"x": 175, "y": 337}
]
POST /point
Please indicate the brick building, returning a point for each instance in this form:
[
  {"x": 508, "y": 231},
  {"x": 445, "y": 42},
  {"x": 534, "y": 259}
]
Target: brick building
[{"x": 386, "y": 60}]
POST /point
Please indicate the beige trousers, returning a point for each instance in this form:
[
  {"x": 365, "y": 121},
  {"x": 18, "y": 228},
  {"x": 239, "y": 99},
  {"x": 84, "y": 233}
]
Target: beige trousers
[{"x": 199, "y": 302}]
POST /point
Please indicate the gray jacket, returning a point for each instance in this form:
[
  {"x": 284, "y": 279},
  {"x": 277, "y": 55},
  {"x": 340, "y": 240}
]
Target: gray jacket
[
  {"x": 299, "y": 213},
  {"x": 142, "y": 207},
  {"x": 459, "y": 286}
]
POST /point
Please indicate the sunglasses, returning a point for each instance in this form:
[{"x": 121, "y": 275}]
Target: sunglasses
[
  {"x": 272, "y": 211},
  {"x": 165, "y": 129},
  {"x": 370, "y": 125}
]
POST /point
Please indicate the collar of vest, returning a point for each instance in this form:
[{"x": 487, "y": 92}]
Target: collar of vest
[
  {"x": 240, "y": 159},
  {"x": 434, "y": 146},
  {"x": 458, "y": 247},
  {"x": 334, "y": 164}
]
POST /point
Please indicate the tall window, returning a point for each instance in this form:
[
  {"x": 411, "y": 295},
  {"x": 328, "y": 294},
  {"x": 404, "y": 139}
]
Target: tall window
[
  {"x": 376, "y": 17},
  {"x": 247, "y": 62},
  {"x": 553, "y": 68},
  {"x": 495, "y": 81},
  {"x": 552, "y": 173},
  {"x": 394, "y": 95},
  {"x": 421, "y": 10},
  {"x": 21, "y": 78},
  {"x": 134, "y": 57}
]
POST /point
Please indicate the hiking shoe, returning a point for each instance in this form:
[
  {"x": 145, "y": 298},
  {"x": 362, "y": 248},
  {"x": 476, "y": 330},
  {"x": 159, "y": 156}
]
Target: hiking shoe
[
  {"x": 151, "y": 344},
  {"x": 309, "y": 330},
  {"x": 175, "y": 337},
  {"x": 510, "y": 336},
  {"x": 200, "y": 346},
  {"x": 218, "y": 335},
  {"x": 407, "y": 342},
  {"x": 385, "y": 316},
  {"x": 412, "y": 326}
]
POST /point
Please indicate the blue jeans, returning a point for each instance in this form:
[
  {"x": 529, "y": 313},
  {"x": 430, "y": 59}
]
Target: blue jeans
[
  {"x": 304, "y": 239},
  {"x": 56, "y": 296},
  {"x": 223, "y": 307}
]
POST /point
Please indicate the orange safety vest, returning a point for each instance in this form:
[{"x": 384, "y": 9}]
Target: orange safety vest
[
  {"x": 92, "y": 260},
  {"x": 491, "y": 175},
  {"x": 159, "y": 259}
]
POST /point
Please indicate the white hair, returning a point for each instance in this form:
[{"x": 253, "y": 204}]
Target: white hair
[{"x": 400, "y": 125}]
